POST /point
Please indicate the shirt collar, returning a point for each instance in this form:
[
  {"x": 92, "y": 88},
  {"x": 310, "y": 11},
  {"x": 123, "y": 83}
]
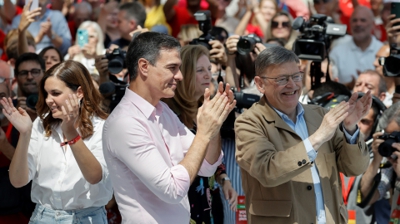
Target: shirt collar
[
  {"x": 299, "y": 109},
  {"x": 143, "y": 105},
  {"x": 353, "y": 45}
]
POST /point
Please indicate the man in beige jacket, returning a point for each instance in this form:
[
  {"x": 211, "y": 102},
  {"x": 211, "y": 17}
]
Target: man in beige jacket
[{"x": 291, "y": 154}]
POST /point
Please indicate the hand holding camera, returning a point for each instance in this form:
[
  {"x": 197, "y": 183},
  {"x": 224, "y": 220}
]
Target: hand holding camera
[
  {"x": 375, "y": 146},
  {"x": 101, "y": 64},
  {"x": 217, "y": 52},
  {"x": 395, "y": 160},
  {"x": 231, "y": 44}
]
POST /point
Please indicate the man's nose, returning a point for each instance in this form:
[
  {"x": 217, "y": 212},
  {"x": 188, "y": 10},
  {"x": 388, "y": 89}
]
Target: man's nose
[{"x": 179, "y": 76}]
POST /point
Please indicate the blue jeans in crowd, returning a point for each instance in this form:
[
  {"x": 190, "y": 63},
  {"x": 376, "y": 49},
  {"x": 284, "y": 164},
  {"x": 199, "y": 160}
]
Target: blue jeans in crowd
[{"x": 94, "y": 215}]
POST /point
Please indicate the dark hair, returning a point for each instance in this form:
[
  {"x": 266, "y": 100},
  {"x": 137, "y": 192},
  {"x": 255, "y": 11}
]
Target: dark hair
[
  {"x": 44, "y": 50},
  {"x": 148, "y": 46},
  {"x": 332, "y": 87},
  {"x": 29, "y": 57},
  {"x": 134, "y": 10},
  {"x": 217, "y": 32},
  {"x": 274, "y": 55},
  {"x": 74, "y": 75}
]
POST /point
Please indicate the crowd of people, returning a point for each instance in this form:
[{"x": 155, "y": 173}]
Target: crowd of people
[{"x": 198, "y": 111}]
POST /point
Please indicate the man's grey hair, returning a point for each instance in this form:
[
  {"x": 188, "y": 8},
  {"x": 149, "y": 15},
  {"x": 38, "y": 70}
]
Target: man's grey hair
[
  {"x": 134, "y": 10},
  {"x": 272, "y": 56},
  {"x": 382, "y": 83},
  {"x": 391, "y": 114}
]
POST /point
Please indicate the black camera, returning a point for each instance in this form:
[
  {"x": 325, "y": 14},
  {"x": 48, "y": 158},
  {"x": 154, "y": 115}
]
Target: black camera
[
  {"x": 31, "y": 101},
  {"x": 316, "y": 36},
  {"x": 245, "y": 100},
  {"x": 116, "y": 60},
  {"x": 385, "y": 148},
  {"x": 246, "y": 44},
  {"x": 204, "y": 19},
  {"x": 391, "y": 64}
]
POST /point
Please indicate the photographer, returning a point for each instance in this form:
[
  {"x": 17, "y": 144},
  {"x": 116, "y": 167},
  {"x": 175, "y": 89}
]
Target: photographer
[
  {"x": 243, "y": 63},
  {"x": 390, "y": 123}
]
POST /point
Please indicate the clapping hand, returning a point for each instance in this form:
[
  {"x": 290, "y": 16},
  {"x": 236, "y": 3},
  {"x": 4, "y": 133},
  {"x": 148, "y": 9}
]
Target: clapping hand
[
  {"x": 357, "y": 110},
  {"x": 214, "y": 111},
  {"x": 19, "y": 118},
  {"x": 70, "y": 113}
]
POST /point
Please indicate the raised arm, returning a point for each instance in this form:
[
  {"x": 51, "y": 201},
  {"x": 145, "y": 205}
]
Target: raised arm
[
  {"x": 27, "y": 17},
  {"x": 19, "y": 169}
]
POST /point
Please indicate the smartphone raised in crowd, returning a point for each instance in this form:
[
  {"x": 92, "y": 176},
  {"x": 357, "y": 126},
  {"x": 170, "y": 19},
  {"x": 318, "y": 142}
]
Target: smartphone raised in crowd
[
  {"x": 35, "y": 5},
  {"x": 395, "y": 9},
  {"x": 83, "y": 37}
]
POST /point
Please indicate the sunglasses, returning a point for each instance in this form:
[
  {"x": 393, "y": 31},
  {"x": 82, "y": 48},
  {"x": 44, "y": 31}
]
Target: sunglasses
[{"x": 275, "y": 24}]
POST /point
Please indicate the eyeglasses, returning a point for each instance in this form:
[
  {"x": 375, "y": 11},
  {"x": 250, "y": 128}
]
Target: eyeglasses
[
  {"x": 34, "y": 72},
  {"x": 284, "y": 79},
  {"x": 275, "y": 24}
]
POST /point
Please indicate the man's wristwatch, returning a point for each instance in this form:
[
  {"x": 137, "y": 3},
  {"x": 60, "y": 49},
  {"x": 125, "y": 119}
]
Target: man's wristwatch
[{"x": 225, "y": 179}]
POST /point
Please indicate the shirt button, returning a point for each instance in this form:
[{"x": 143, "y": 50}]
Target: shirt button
[
  {"x": 299, "y": 163},
  {"x": 309, "y": 187},
  {"x": 304, "y": 161}
]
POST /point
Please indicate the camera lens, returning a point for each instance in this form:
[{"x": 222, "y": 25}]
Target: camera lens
[
  {"x": 31, "y": 101},
  {"x": 391, "y": 65},
  {"x": 245, "y": 45},
  {"x": 385, "y": 148},
  {"x": 115, "y": 65}
]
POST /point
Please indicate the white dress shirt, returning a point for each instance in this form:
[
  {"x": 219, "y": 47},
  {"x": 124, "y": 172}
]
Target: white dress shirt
[
  {"x": 143, "y": 146},
  {"x": 57, "y": 181},
  {"x": 349, "y": 58}
]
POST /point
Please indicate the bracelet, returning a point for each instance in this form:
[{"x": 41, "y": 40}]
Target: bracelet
[{"x": 71, "y": 142}]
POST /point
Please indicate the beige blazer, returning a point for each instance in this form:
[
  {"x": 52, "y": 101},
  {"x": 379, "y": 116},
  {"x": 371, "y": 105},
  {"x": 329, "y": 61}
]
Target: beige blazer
[{"x": 275, "y": 167}]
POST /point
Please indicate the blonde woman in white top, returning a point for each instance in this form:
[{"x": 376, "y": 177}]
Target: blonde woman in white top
[{"x": 85, "y": 53}]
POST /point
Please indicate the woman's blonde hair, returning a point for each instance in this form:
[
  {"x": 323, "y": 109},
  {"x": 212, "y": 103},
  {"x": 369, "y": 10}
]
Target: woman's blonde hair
[
  {"x": 184, "y": 103},
  {"x": 293, "y": 34},
  {"x": 189, "y": 32},
  {"x": 100, "y": 35}
]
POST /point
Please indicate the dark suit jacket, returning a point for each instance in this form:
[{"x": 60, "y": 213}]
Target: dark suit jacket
[{"x": 275, "y": 167}]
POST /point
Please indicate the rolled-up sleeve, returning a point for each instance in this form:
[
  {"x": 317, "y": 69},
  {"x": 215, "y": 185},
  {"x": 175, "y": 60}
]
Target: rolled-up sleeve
[{"x": 207, "y": 170}]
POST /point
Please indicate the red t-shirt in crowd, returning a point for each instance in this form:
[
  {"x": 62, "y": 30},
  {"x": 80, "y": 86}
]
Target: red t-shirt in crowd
[{"x": 182, "y": 17}]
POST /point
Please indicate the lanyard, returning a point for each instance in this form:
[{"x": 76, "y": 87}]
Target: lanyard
[{"x": 346, "y": 192}]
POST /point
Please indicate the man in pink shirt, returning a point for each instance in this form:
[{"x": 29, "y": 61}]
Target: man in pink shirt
[{"x": 151, "y": 156}]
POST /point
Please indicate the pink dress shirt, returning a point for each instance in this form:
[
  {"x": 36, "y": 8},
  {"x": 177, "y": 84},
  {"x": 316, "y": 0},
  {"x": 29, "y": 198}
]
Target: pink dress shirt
[{"x": 143, "y": 146}]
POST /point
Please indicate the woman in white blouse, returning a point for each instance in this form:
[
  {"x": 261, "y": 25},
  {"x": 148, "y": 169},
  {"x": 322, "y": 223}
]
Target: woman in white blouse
[{"x": 61, "y": 151}]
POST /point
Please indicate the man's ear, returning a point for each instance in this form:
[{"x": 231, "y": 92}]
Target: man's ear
[
  {"x": 133, "y": 24},
  {"x": 143, "y": 67},
  {"x": 259, "y": 84}
]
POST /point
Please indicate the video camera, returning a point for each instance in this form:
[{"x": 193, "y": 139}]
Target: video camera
[
  {"x": 385, "y": 148},
  {"x": 246, "y": 44},
  {"x": 391, "y": 64},
  {"x": 204, "y": 19},
  {"x": 116, "y": 60},
  {"x": 316, "y": 36}
]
